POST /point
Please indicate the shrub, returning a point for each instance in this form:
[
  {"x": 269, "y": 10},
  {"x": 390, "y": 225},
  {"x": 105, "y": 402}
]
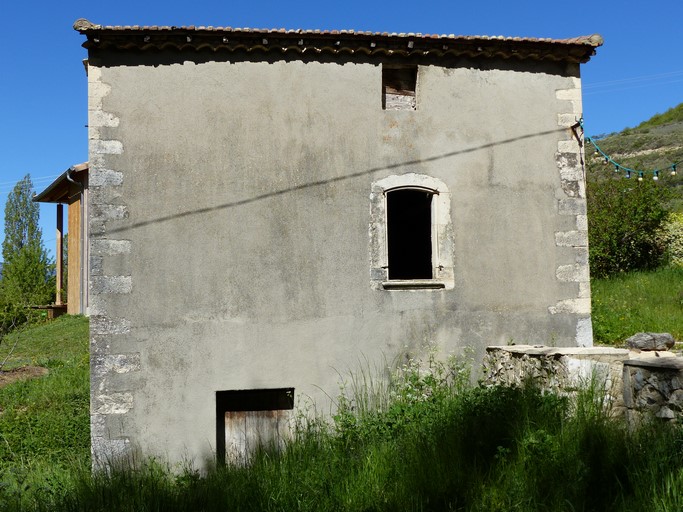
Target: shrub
[
  {"x": 624, "y": 217},
  {"x": 671, "y": 236}
]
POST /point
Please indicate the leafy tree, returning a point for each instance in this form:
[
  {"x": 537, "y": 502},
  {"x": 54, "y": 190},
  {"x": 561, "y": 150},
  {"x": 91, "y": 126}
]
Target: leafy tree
[
  {"x": 27, "y": 273},
  {"x": 624, "y": 218}
]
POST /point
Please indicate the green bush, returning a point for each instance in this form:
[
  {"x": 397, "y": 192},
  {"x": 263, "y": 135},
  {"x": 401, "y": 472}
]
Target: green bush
[
  {"x": 624, "y": 217},
  {"x": 671, "y": 236}
]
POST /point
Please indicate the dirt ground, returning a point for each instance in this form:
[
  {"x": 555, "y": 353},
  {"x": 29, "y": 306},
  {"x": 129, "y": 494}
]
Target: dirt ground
[{"x": 22, "y": 373}]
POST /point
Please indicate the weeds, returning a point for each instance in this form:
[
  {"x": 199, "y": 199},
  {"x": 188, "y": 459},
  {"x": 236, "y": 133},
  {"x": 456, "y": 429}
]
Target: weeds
[{"x": 434, "y": 442}]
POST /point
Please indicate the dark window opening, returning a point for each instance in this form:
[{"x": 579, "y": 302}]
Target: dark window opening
[
  {"x": 409, "y": 234},
  {"x": 398, "y": 87},
  {"x": 246, "y": 419}
]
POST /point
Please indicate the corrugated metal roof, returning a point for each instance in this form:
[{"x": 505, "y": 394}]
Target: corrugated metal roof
[{"x": 136, "y": 37}]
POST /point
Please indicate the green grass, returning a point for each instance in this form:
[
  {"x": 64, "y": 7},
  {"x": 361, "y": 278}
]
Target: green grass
[
  {"x": 44, "y": 422},
  {"x": 638, "y": 302},
  {"x": 437, "y": 443},
  {"x": 65, "y": 340}
]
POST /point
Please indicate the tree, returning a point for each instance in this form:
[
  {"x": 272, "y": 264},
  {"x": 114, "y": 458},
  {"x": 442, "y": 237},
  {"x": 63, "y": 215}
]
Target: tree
[{"x": 27, "y": 273}]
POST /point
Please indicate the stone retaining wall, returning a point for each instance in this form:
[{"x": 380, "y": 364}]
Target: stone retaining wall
[
  {"x": 635, "y": 384},
  {"x": 654, "y": 387}
]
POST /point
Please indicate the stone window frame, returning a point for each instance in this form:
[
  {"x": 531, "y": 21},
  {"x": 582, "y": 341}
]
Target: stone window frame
[{"x": 442, "y": 233}]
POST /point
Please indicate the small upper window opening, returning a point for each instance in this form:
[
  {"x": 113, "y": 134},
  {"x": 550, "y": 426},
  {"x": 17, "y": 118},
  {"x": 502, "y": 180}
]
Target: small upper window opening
[
  {"x": 409, "y": 234},
  {"x": 398, "y": 87}
]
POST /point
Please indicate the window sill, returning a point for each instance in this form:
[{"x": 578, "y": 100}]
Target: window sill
[{"x": 413, "y": 284}]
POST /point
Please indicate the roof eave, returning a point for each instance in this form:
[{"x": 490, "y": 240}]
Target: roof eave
[
  {"x": 52, "y": 193},
  {"x": 136, "y": 38}
]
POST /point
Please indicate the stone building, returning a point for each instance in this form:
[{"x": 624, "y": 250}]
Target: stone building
[{"x": 270, "y": 209}]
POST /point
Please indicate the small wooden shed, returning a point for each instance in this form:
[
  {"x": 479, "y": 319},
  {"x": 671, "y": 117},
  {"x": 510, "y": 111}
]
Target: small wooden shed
[{"x": 71, "y": 188}]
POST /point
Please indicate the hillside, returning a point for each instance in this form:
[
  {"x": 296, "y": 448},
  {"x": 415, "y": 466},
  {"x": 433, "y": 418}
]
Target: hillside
[{"x": 654, "y": 144}]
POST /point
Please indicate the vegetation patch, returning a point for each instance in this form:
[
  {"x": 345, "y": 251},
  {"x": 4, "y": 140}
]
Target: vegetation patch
[
  {"x": 632, "y": 215},
  {"x": 44, "y": 422},
  {"x": 646, "y": 301},
  {"x": 27, "y": 273},
  {"x": 673, "y": 115},
  {"x": 427, "y": 440}
]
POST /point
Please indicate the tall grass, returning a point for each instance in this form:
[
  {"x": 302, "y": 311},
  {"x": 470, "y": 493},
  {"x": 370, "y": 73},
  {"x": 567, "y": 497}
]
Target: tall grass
[
  {"x": 446, "y": 447},
  {"x": 638, "y": 302},
  {"x": 426, "y": 440}
]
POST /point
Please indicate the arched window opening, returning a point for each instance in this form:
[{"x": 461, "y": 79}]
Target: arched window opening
[{"x": 409, "y": 234}]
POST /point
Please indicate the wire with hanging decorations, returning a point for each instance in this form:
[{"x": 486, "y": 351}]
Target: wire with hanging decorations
[{"x": 672, "y": 168}]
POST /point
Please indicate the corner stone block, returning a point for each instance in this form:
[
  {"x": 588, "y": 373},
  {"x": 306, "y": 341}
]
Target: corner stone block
[
  {"x": 116, "y": 363},
  {"x": 568, "y": 146},
  {"x": 571, "y": 188},
  {"x": 106, "y": 147},
  {"x": 105, "y": 449},
  {"x": 571, "y": 239},
  {"x": 584, "y": 332},
  {"x": 105, "y": 178},
  {"x": 585, "y": 290},
  {"x": 573, "y": 273},
  {"x": 572, "y": 206},
  {"x": 107, "y": 247},
  {"x": 96, "y": 92},
  {"x": 114, "y": 403},
  {"x": 568, "y": 164},
  {"x": 582, "y": 223},
  {"x": 98, "y": 118},
  {"x": 108, "y": 212},
  {"x": 568, "y": 94},
  {"x": 111, "y": 284},
  {"x": 572, "y": 306},
  {"x": 566, "y": 120},
  {"x": 581, "y": 255},
  {"x": 103, "y": 325},
  {"x": 95, "y": 265}
]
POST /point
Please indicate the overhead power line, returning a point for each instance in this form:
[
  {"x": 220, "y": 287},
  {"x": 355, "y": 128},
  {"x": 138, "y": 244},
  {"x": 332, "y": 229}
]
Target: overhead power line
[{"x": 640, "y": 78}]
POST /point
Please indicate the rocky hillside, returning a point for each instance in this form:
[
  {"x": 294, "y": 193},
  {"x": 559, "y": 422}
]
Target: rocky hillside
[{"x": 654, "y": 144}]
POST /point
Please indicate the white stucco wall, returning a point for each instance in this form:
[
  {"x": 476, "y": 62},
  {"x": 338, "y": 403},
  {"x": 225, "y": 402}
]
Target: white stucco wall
[{"x": 230, "y": 217}]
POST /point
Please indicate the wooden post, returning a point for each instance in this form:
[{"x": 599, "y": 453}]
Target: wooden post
[
  {"x": 60, "y": 253},
  {"x": 75, "y": 271}
]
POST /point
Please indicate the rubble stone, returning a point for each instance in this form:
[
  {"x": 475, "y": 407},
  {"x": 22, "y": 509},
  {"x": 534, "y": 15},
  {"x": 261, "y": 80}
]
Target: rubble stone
[{"x": 651, "y": 341}]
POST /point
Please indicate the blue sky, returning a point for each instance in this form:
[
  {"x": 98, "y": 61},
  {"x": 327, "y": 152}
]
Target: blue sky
[{"x": 43, "y": 97}]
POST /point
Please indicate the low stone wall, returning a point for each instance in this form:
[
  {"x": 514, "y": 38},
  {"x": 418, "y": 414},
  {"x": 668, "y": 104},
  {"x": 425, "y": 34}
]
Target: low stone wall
[
  {"x": 633, "y": 383},
  {"x": 654, "y": 387}
]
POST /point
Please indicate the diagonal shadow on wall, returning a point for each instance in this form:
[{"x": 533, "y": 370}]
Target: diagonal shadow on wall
[{"x": 345, "y": 177}]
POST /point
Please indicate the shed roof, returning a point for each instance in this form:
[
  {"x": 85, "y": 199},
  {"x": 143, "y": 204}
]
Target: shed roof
[
  {"x": 135, "y": 37},
  {"x": 59, "y": 191}
]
